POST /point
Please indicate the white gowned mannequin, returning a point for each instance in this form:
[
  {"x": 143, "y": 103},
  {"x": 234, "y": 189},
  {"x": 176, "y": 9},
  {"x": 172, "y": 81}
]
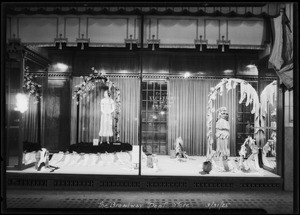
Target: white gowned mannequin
[{"x": 107, "y": 108}]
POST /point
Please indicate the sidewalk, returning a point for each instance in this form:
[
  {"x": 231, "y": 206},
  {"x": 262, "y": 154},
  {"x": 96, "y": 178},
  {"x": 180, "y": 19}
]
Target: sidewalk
[{"x": 278, "y": 202}]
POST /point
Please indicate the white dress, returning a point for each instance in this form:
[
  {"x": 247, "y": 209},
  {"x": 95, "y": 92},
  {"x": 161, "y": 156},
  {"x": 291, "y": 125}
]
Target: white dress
[{"x": 107, "y": 107}]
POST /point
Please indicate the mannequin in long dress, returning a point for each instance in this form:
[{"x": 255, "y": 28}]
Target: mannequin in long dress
[{"x": 107, "y": 108}]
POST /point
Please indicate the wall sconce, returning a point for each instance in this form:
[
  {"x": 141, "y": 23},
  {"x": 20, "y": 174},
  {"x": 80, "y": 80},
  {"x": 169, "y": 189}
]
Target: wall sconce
[
  {"x": 21, "y": 102},
  {"x": 131, "y": 41},
  {"x": 60, "y": 40},
  {"x": 153, "y": 41},
  {"x": 83, "y": 41},
  {"x": 186, "y": 74},
  {"x": 200, "y": 42},
  {"x": 223, "y": 43}
]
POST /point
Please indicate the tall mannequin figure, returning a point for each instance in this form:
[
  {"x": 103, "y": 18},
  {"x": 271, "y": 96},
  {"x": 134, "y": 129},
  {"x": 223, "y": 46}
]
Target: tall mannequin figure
[
  {"x": 222, "y": 132},
  {"x": 107, "y": 108}
]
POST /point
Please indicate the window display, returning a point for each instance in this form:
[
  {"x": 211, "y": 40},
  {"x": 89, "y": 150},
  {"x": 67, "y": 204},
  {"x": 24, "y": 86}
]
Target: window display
[{"x": 189, "y": 126}]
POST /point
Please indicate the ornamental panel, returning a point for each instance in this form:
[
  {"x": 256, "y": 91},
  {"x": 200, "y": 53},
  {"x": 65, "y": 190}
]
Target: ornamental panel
[
  {"x": 107, "y": 30},
  {"x": 212, "y": 30},
  {"x": 246, "y": 32},
  {"x": 37, "y": 29},
  {"x": 72, "y": 28},
  {"x": 177, "y": 31}
]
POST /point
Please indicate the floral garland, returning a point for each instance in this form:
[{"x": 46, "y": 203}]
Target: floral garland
[
  {"x": 31, "y": 87},
  {"x": 89, "y": 83},
  {"x": 247, "y": 92}
]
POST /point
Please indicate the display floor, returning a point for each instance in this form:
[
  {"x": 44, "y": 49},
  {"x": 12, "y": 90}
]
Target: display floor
[{"x": 120, "y": 164}]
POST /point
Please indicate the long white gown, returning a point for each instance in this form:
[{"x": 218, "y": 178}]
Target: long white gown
[{"x": 107, "y": 108}]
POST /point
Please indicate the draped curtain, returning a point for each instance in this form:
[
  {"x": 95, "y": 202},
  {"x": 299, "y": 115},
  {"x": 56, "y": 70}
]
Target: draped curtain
[
  {"x": 187, "y": 113},
  {"x": 31, "y": 115},
  {"x": 90, "y": 114},
  {"x": 31, "y": 122}
]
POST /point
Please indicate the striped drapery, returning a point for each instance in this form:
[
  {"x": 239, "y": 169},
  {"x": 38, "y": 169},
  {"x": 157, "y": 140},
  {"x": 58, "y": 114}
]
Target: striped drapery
[
  {"x": 90, "y": 114},
  {"x": 187, "y": 113}
]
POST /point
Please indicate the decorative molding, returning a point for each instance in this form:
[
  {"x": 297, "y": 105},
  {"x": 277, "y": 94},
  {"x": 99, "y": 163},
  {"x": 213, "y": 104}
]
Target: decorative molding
[
  {"x": 59, "y": 75},
  {"x": 131, "y": 41},
  {"x": 200, "y": 42},
  {"x": 148, "y": 10},
  {"x": 38, "y": 59},
  {"x": 100, "y": 182},
  {"x": 60, "y": 40},
  {"x": 73, "y": 183},
  {"x": 153, "y": 42},
  {"x": 122, "y": 76},
  {"x": 82, "y": 41},
  {"x": 112, "y": 45},
  {"x": 213, "y": 185},
  {"x": 180, "y": 76},
  {"x": 46, "y": 44},
  {"x": 212, "y": 46},
  {"x": 206, "y": 77},
  {"x": 72, "y": 44},
  {"x": 260, "y": 185},
  {"x": 135, "y": 184},
  {"x": 223, "y": 43},
  {"x": 184, "y": 46},
  {"x": 27, "y": 182},
  {"x": 164, "y": 184},
  {"x": 252, "y": 47}
]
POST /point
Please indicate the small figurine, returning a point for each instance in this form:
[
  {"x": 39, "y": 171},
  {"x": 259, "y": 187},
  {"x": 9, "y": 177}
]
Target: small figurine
[
  {"x": 42, "y": 161},
  {"x": 179, "y": 149}
]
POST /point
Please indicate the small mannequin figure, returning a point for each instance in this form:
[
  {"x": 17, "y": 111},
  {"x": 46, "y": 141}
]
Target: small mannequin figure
[
  {"x": 179, "y": 148},
  {"x": 107, "y": 108},
  {"x": 222, "y": 132},
  {"x": 42, "y": 161},
  {"x": 249, "y": 128}
]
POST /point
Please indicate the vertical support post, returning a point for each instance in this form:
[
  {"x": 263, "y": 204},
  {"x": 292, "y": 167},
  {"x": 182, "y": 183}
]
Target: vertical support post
[
  {"x": 296, "y": 106},
  {"x": 141, "y": 79},
  {"x": 21, "y": 117},
  {"x": 8, "y": 107},
  {"x": 77, "y": 119},
  {"x": 280, "y": 130},
  {"x": 39, "y": 124}
]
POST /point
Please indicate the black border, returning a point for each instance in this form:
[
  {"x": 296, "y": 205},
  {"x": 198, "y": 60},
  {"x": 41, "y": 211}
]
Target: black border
[{"x": 296, "y": 105}]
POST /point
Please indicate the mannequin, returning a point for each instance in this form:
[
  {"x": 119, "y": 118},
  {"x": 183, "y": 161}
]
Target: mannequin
[
  {"x": 222, "y": 132},
  {"x": 179, "y": 148},
  {"x": 107, "y": 108}
]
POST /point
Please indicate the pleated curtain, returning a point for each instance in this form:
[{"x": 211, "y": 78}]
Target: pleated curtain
[
  {"x": 31, "y": 122},
  {"x": 187, "y": 113},
  {"x": 90, "y": 111}
]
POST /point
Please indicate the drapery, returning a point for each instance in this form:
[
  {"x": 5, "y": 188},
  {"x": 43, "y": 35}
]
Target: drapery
[
  {"x": 90, "y": 114},
  {"x": 281, "y": 57},
  {"x": 31, "y": 122},
  {"x": 187, "y": 113}
]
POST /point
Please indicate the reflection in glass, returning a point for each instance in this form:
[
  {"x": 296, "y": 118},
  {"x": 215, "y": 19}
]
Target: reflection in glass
[{"x": 268, "y": 122}]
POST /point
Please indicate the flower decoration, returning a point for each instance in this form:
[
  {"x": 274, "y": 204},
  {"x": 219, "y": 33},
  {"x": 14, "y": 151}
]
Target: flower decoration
[
  {"x": 89, "y": 83},
  {"x": 31, "y": 87},
  {"x": 247, "y": 92}
]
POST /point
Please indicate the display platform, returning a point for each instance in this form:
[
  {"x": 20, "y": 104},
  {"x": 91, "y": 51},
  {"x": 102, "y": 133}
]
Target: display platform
[
  {"x": 101, "y": 171},
  {"x": 119, "y": 163},
  {"x": 87, "y": 147}
]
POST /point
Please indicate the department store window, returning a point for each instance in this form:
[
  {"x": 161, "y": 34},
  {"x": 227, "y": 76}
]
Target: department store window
[{"x": 154, "y": 117}]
